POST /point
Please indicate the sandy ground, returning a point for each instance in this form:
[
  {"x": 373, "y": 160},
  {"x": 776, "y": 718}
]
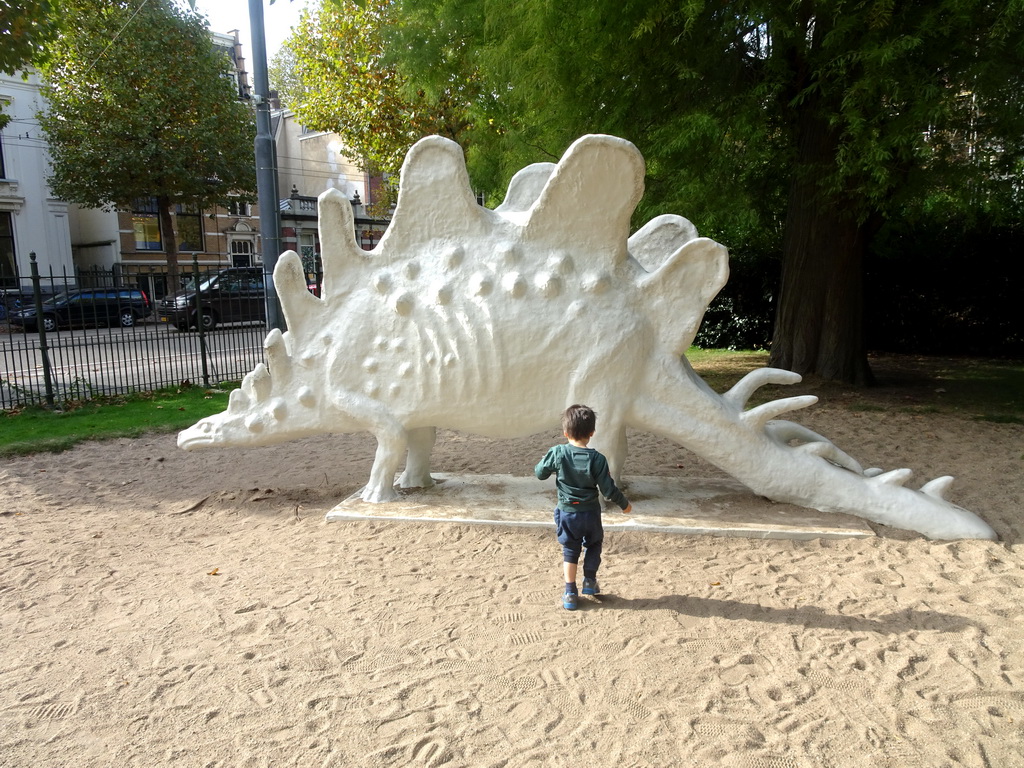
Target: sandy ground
[{"x": 162, "y": 608}]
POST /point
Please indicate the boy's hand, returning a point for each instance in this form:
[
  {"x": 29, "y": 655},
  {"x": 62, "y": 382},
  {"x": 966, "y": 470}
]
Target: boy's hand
[{"x": 628, "y": 509}]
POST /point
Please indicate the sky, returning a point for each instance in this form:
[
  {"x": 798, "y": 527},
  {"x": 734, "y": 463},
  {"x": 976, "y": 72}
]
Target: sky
[{"x": 278, "y": 20}]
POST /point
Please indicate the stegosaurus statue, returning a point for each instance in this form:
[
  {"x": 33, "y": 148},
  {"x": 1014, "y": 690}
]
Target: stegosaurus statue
[{"x": 493, "y": 321}]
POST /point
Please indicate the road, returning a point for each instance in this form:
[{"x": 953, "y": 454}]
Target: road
[{"x": 101, "y": 361}]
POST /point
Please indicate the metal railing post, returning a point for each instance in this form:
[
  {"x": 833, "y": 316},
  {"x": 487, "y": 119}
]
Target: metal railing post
[
  {"x": 44, "y": 352},
  {"x": 199, "y": 318}
]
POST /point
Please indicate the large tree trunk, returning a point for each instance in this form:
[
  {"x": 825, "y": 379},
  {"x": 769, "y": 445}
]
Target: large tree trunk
[
  {"x": 819, "y": 323},
  {"x": 170, "y": 245}
]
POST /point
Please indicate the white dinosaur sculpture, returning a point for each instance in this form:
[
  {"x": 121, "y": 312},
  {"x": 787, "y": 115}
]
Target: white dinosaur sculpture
[{"x": 492, "y": 322}]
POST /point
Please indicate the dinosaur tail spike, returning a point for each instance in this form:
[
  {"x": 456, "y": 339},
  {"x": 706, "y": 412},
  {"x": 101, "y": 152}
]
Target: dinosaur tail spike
[
  {"x": 784, "y": 431},
  {"x": 758, "y": 418},
  {"x": 813, "y": 443},
  {"x": 938, "y": 487},
  {"x": 258, "y": 385},
  {"x": 814, "y": 449},
  {"x": 831, "y": 452},
  {"x": 745, "y": 387},
  {"x": 895, "y": 477}
]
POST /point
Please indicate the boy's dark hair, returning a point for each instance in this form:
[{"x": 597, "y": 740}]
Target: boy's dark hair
[{"x": 579, "y": 422}]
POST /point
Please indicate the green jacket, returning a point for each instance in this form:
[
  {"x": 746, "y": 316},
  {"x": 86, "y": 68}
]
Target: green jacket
[{"x": 580, "y": 474}]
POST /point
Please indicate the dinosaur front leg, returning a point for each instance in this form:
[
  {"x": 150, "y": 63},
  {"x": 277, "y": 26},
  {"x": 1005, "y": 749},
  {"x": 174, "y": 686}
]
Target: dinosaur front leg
[
  {"x": 392, "y": 441},
  {"x": 417, "y": 465},
  {"x": 391, "y": 445}
]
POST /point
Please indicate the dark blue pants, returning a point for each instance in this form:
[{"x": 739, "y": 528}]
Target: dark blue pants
[{"x": 577, "y": 530}]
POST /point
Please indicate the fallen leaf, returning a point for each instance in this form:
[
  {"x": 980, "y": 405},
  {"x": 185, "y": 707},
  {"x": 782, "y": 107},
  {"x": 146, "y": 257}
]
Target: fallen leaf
[
  {"x": 716, "y": 583},
  {"x": 214, "y": 572}
]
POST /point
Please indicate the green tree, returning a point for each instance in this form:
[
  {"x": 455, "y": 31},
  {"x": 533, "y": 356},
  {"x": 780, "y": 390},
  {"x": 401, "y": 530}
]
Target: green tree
[
  {"x": 25, "y": 28},
  {"x": 350, "y": 86},
  {"x": 141, "y": 105},
  {"x": 283, "y": 73},
  {"x": 799, "y": 124}
]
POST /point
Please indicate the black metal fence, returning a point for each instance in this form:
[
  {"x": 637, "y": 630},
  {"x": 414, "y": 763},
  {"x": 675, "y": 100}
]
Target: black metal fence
[{"x": 97, "y": 332}]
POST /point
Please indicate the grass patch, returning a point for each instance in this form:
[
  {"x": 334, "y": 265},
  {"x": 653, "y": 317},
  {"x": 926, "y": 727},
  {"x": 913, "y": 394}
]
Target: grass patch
[
  {"x": 35, "y": 429},
  {"x": 721, "y": 368}
]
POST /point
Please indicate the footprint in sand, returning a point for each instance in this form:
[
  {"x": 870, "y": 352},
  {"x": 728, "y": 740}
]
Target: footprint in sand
[
  {"x": 526, "y": 638},
  {"x": 737, "y": 670},
  {"x": 259, "y": 694},
  {"x": 508, "y": 618},
  {"x": 454, "y": 658},
  {"x": 430, "y": 752},
  {"x": 737, "y": 734},
  {"x": 634, "y": 709},
  {"x": 52, "y": 711}
]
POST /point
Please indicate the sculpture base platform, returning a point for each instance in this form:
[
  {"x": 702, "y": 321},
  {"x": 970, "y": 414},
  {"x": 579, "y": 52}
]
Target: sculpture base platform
[{"x": 663, "y": 505}]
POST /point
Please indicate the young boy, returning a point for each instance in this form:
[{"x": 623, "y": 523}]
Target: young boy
[{"x": 581, "y": 473}]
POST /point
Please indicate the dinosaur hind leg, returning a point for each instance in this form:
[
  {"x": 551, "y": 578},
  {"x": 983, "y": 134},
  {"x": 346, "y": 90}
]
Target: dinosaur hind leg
[
  {"x": 417, "y": 465},
  {"x": 610, "y": 437},
  {"x": 610, "y": 440}
]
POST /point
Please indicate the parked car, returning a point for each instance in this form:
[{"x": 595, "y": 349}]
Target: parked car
[
  {"x": 100, "y": 306},
  {"x": 10, "y": 301},
  {"x": 233, "y": 295}
]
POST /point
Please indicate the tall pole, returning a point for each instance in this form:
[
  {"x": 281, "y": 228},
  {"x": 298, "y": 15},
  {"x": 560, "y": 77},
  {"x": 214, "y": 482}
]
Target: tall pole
[{"x": 266, "y": 164}]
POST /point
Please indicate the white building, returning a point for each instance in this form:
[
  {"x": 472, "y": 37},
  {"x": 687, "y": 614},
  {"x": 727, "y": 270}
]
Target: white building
[{"x": 32, "y": 220}]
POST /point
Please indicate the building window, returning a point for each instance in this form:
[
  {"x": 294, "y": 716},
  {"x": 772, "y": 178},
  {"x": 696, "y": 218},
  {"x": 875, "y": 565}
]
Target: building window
[
  {"x": 146, "y": 223},
  {"x": 241, "y": 253},
  {"x": 238, "y": 208},
  {"x": 3, "y": 172},
  {"x": 307, "y": 250},
  {"x": 190, "y": 228},
  {"x": 8, "y": 275}
]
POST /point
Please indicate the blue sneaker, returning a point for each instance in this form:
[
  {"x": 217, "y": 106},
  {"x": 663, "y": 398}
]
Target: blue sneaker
[
  {"x": 590, "y": 587},
  {"x": 570, "y": 601}
]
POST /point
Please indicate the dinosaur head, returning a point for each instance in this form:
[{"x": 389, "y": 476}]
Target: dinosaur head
[
  {"x": 265, "y": 410},
  {"x": 249, "y": 422}
]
